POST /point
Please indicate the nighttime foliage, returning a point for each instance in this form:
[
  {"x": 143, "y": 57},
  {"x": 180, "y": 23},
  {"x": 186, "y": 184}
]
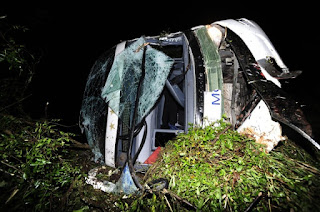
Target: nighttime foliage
[
  {"x": 217, "y": 169},
  {"x": 210, "y": 169},
  {"x": 17, "y": 66},
  {"x": 35, "y": 167},
  {"x": 35, "y": 171}
]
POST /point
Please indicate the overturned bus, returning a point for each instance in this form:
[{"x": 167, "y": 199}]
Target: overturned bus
[{"x": 142, "y": 92}]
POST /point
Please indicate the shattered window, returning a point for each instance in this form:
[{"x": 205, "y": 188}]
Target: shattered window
[
  {"x": 125, "y": 75},
  {"x": 212, "y": 62},
  {"x": 113, "y": 82},
  {"x": 93, "y": 112},
  {"x": 211, "y": 59}
]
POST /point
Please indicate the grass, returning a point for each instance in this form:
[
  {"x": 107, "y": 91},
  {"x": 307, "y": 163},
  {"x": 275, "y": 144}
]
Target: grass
[
  {"x": 217, "y": 169},
  {"x": 210, "y": 169}
]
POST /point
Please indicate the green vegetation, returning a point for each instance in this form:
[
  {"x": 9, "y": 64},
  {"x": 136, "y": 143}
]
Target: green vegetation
[
  {"x": 34, "y": 163},
  {"x": 17, "y": 66},
  {"x": 211, "y": 169},
  {"x": 217, "y": 169}
]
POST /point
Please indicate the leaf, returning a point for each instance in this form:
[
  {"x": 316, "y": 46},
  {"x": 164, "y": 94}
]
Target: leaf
[
  {"x": 198, "y": 191},
  {"x": 3, "y": 183},
  {"x": 12, "y": 195},
  {"x": 217, "y": 193},
  {"x": 222, "y": 172},
  {"x": 172, "y": 182},
  {"x": 239, "y": 168},
  {"x": 24, "y": 176},
  {"x": 229, "y": 144},
  {"x": 85, "y": 208}
]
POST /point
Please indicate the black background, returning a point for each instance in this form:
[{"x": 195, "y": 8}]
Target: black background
[{"x": 72, "y": 36}]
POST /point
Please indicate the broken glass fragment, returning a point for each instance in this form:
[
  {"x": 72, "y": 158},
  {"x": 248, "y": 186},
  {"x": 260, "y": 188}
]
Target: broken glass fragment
[
  {"x": 93, "y": 112},
  {"x": 125, "y": 74},
  {"x": 212, "y": 61}
]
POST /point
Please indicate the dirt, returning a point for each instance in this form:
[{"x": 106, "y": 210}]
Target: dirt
[{"x": 84, "y": 197}]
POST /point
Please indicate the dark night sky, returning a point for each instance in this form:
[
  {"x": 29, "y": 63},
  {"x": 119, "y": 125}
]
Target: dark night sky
[{"x": 73, "y": 36}]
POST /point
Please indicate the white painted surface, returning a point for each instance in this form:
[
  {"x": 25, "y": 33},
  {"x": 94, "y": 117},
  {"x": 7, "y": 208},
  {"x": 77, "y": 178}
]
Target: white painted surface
[
  {"x": 215, "y": 34},
  {"x": 261, "y": 127},
  {"x": 257, "y": 42},
  {"x": 212, "y": 106},
  {"x": 112, "y": 123}
]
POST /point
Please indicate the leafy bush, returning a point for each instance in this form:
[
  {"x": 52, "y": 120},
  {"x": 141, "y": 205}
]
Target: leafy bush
[
  {"x": 33, "y": 161},
  {"x": 217, "y": 169},
  {"x": 17, "y": 66}
]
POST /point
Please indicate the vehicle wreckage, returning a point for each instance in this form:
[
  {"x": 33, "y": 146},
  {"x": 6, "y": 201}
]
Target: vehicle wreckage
[{"x": 142, "y": 92}]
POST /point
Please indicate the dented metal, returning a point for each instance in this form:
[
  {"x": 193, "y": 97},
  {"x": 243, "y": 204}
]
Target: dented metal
[{"x": 228, "y": 67}]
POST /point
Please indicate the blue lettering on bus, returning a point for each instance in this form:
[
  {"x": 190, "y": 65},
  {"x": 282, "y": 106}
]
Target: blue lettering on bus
[{"x": 216, "y": 100}]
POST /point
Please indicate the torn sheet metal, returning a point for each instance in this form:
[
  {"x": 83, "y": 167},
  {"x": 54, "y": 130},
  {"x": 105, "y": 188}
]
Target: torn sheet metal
[
  {"x": 194, "y": 76},
  {"x": 282, "y": 107},
  {"x": 258, "y": 43}
]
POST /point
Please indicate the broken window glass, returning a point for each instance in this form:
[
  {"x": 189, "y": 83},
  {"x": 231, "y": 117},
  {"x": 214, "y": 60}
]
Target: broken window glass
[
  {"x": 212, "y": 62},
  {"x": 113, "y": 83},
  {"x": 93, "y": 113},
  {"x": 125, "y": 76}
]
